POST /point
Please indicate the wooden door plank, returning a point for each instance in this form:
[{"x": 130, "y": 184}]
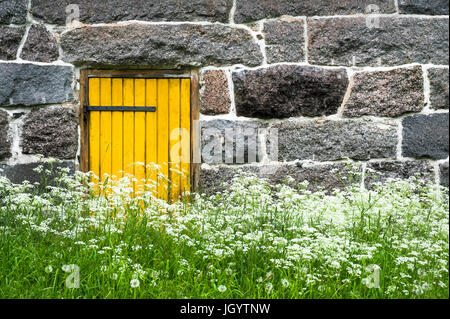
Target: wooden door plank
[
  {"x": 94, "y": 128},
  {"x": 151, "y": 132},
  {"x": 128, "y": 128},
  {"x": 139, "y": 135},
  {"x": 163, "y": 136},
  {"x": 117, "y": 129}
]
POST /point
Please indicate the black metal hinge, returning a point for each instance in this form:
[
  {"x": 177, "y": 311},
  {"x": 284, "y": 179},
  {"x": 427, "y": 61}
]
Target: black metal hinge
[{"x": 89, "y": 108}]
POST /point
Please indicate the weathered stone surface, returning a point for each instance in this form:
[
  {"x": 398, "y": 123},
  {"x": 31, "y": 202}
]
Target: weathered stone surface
[
  {"x": 285, "y": 40},
  {"x": 161, "y": 45},
  {"x": 52, "y": 132},
  {"x": 348, "y": 41},
  {"x": 426, "y": 136},
  {"x": 438, "y": 88},
  {"x": 13, "y": 11},
  {"x": 230, "y": 142},
  {"x": 288, "y": 90},
  {"x": 326, "y": 140},
  {"x": 40, "y": 46},
  {"x": 107, "y": 11},
  {"x": 25, "y": 172},
  {"x": 10, "y": 38},
  {"x": 251, "y": 10},
  {"x": 327, "y": 177},
  {"x": 433, "y": 7},
  {"x": 5, "y": 143},
  {"x": 443, "y": 169},
  {"x": 380, "y": 172},
  {"x": 29, "y": 84},
  {"x": 386, "y": 93},
  {"x": 214, "y": 92}
]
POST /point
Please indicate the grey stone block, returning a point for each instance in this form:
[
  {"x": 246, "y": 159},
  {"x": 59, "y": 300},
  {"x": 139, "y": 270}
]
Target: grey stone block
[
  {"x": 19, "y": 173},
  {"x": 285, "y": 40},
  {"x": 230, "y": 142},
  {"x": 13, "y": 11},
  {"x": 326, "y": 140},
  {"x": 380, "y": 172},
  {"x": 30, "y": 84},
  {"x": 426, "y": 136},
  {"x": 438, "y": 88}
]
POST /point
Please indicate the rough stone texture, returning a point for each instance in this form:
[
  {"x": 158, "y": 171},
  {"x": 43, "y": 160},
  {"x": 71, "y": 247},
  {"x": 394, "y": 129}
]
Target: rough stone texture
[
  {"x": 380, "y": 172},
  {"x": 432, "y": 7},
  {"x": 251, "y": 10},
  {"x": 13, "y": 11},
  {"x": 285, "y": 40},
  {"x": 161, "y": 45},
  {"x": 5, "y": 143},
  {"x": 25, "y": 172},
  {"x": 443, "y": 169},
  {"x": 326, "y": 140},
  {"x": 214, "y": 92},
  {"x": 40, "y": 46},
  {"x": 288, "y": 90},
  {"x": 29, "y": 84},
  {"x": 323, "y": 176},
  {"x": 10, "y": 38},
  {"x": 52, "y": 132},
  {"x": 216, "y": 140},
  {"x": 426, "y": 136},
  {"x": 107, "y": 11},
  {"x": 438, "y": 88},
  {"x": 386, "y": 93},
  {"x": 398, "y": 40}
]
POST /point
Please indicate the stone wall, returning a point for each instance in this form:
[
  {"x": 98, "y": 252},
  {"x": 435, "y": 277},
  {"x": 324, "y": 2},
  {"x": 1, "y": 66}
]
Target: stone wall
[{"x": 349, "y": 86}]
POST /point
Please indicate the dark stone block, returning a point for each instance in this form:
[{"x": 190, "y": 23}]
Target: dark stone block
[
  {"x": 251, "y": 10},
  {"x": 108, "y": 11},
  {"x": 52, "y": 132},
  {"x": 386, "y": 93},
  {"x": 161, "y": 45},
  {"x": 5, "y": 143},
  {"x": 431, "y": 7},
  {"x": 351, "y": 41},
  {"x": 287, "y": 90},
  {"x": 426, "y": 136},
  {"x": 41, "y": 45},
  {"x": 10, "y": 38},
  {"x": 30, "y": 84}
]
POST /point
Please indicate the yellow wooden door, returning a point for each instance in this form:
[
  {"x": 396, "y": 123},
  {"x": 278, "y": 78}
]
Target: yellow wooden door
[{"x": 153, "y": 145}]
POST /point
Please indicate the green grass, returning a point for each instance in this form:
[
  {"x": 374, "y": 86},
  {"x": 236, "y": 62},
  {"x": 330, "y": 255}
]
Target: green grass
[{"x": 254, "y": 241}]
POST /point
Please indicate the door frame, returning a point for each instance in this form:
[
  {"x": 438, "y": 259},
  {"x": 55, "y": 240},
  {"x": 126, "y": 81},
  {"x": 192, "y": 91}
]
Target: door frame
[{"x": 85, "y": 74}]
